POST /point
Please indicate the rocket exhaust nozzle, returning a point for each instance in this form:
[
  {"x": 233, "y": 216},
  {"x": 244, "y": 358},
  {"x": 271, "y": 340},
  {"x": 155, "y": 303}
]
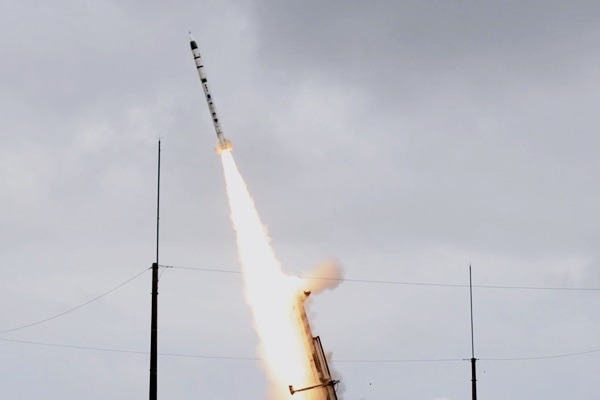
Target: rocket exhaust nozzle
[{"x": 224, "y": 145}]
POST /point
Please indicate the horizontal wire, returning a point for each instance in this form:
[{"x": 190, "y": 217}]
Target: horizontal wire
[
  {"x": 224, "y": 271},
  {"x": 74, "y": 308},
  {"x": 69, "y": 346},
  {"x": 314, "y": 278},
  {"x": 392, "y": 361},
  {"x": 580, "y": 353},
  {"x": 209, "y": 356},
  {"x": 254, "y": 358},
  {"x": 387, "y": 282},
  {"x": 355, "y": 361}
]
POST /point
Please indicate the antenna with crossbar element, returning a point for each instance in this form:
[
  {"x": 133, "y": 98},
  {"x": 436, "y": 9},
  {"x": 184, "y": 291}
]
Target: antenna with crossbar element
[
  {"x": 154, "y": 313},
  {"x": 330, "y": 383}
]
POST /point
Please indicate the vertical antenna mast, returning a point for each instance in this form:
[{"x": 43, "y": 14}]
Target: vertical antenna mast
[
  {"x": 154, "y": 322},
  {"x": 473, "y": 359},
  {"x": 158, "y": 203}
]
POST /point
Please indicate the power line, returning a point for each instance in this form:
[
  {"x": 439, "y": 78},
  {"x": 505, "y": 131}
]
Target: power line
[
  {"x": 317, "y": 278},
  {"x": 217, "y": 357},
  {"x": 389, "y": 282},
  {"x": 579, "y": 353},
  {"x": 111, "y": 350},
  {"x": 398, "y": 361},
  {"x": 76, "y": 307},
  {"x": 70, "y": 346},
  {"x": 223, "y": 271},
  {"x": 345, "y": 361}
]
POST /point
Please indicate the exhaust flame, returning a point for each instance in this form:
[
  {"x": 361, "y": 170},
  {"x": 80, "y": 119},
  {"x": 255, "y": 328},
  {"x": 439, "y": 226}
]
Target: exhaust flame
[{"x": 270, "y": 293}]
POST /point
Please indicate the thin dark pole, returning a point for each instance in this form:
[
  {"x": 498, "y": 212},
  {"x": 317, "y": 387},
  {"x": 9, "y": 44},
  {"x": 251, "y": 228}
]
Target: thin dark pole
[
  {"x": 154, "y": 323},
  {"x": 473, "y": 359},
  {"x": 158, "y": 203}
]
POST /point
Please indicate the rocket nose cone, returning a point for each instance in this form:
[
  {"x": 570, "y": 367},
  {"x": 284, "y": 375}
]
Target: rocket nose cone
[{"x": 193, "y": 44}]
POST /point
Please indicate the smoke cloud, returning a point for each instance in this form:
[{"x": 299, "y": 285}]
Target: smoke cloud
[{"x": 326, "y": 275}]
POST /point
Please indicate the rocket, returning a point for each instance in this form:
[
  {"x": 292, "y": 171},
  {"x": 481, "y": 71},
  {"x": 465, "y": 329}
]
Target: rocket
[{"x": 224, "y": 143}]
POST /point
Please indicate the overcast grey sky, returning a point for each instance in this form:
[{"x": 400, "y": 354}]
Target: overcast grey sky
[{"x": 405, "y": 138}]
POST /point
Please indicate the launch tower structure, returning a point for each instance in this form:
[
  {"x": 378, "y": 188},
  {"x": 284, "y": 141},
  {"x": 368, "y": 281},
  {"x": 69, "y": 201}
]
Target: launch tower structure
[{"x": 324, "y": 384}]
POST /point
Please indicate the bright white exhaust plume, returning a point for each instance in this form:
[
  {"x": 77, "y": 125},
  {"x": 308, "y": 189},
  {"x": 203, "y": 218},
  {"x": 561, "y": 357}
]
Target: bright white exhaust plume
[{"x": 271, "y": 294}]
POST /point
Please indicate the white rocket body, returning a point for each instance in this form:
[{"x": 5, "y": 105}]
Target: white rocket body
[{"x": 224, "y": 143}]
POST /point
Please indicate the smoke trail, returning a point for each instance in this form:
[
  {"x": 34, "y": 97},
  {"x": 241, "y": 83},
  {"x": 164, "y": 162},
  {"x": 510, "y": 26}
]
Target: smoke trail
[{"x": 270, "y": 293}]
